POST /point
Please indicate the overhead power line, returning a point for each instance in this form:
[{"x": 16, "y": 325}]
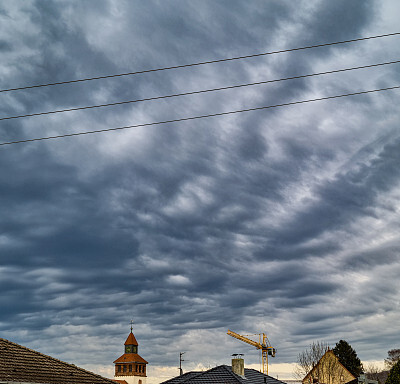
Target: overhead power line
[
  {"x": 198, "y": 117},
  {"x": 199, "y": 63},
  {"x": 196, "y": 92}
]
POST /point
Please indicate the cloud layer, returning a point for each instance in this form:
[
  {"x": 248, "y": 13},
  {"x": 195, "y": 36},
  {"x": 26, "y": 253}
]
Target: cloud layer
[{"x": 282, "y": 221}]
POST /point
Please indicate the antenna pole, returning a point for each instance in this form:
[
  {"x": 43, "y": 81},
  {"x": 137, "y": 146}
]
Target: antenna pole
[{"x": 180, "y": 363}]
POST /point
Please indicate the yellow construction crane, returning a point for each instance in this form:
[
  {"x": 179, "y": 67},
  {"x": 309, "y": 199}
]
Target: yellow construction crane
[{"x": 264, "y": 345}]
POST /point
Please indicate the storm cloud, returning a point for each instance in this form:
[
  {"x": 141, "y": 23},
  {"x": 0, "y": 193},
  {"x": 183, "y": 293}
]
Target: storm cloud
[{"x": 284, "y": 221}]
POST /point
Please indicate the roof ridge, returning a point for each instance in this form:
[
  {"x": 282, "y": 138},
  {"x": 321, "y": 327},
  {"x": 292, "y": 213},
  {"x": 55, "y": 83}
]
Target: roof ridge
[
  {"x": 200, "y": 373},
  {"x": 227, "y": 368},
  {"x": 53, "y": 358},
  {"x": 224, "y": 373},
  {"x": 233, "y": 374},
  {"x": 189, "y": 373}
]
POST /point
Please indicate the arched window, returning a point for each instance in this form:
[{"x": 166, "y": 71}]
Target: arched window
[{"x": 140, "y": 382}]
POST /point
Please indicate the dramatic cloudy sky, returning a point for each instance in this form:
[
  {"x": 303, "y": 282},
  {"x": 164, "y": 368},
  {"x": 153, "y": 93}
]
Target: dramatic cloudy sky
[{"x": 284, "y": 221}]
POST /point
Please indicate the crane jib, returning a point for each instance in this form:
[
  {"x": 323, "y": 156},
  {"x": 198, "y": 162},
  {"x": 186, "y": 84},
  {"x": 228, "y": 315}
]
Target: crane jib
[{"x": 265, "y": 347}]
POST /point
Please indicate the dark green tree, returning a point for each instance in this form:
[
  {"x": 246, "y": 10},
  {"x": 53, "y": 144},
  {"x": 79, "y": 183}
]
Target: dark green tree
[
  {"x": 348, "y": 357},
  {"x": 394, "y": 374}
]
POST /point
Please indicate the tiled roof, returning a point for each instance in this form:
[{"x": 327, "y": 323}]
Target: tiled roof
[
  {"x": 223, "y": 375},
  {"x": 130, "y": 358},
  {"x": 131, "y": 340},
  {"x": 184, "y": 377},
  {"x": 21, "y": 364},
  {"x": 121, "y": 381},
  {"x": 254, "y": 376}
]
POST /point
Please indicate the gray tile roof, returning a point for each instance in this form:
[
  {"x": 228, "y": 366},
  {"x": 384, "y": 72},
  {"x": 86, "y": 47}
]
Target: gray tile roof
[
  {"x": 223, "y": 375},
  {"x": 184, "y": 377},
  {"x": 21, "y": 364}
]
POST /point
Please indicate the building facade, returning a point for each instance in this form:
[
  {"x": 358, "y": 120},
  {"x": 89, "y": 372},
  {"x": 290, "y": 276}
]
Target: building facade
[{"x": 329, "y": 371}]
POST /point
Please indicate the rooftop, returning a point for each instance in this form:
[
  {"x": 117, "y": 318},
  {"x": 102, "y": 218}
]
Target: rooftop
[
  {"x": 24, "y": 365},
  {"x": 130, "y": 358},
  {"x": 131, "y": 340},
  {"x": 222, "y": 375}
]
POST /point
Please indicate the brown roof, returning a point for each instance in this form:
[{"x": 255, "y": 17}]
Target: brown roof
[
  {"x": 21, "y": 364},
  {"x": 131, "y": 340},
  {"x": 130, "y": 358},
  {"x": 121, "y": 381}
]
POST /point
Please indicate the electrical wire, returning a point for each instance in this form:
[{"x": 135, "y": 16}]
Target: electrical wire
[
  {"x": 198, "y": 63},
  {"x": 196, "y": 92},
  {"x": 198, "y": 117}
]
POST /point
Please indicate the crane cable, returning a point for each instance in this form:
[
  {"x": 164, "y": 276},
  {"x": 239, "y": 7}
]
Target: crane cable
[
  {"x": 198, "y": 117},
  {"x": 196, "y": 92},
  {"x": 199, "y": 63}
]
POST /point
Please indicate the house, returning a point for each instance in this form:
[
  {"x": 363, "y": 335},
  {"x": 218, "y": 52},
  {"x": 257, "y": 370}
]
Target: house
[
  {"x": 329, "y": 370},
  {"x": 19, "y": 364},
  {"x": 224, "y": 374}
]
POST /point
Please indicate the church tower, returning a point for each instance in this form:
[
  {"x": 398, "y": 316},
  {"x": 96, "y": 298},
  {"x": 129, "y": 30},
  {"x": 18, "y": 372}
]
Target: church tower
[{"x": 130, "y": 367}]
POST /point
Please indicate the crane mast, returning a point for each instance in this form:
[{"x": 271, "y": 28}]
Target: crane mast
[{"x": 263, "y": 345}]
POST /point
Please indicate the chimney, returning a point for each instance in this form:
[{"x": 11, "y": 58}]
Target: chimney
[{"x": 238, "y": 364}]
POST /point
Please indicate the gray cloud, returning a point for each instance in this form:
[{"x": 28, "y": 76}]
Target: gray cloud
[{"x": 282, "y": 221}]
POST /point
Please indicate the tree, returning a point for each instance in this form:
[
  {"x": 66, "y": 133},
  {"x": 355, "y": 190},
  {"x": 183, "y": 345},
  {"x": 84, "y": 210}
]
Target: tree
[
  {"x": 394, "y": 374},
  {"x": 348, "y": 357},
  {"x": 373, "y": 372},
  {"x": 309, "y": 358},
  {"x": 393, "y": 358}
]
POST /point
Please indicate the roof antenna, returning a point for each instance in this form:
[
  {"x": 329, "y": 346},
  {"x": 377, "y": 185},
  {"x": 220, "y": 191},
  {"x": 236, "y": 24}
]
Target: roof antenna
[{"x": 180, "y": 363}]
